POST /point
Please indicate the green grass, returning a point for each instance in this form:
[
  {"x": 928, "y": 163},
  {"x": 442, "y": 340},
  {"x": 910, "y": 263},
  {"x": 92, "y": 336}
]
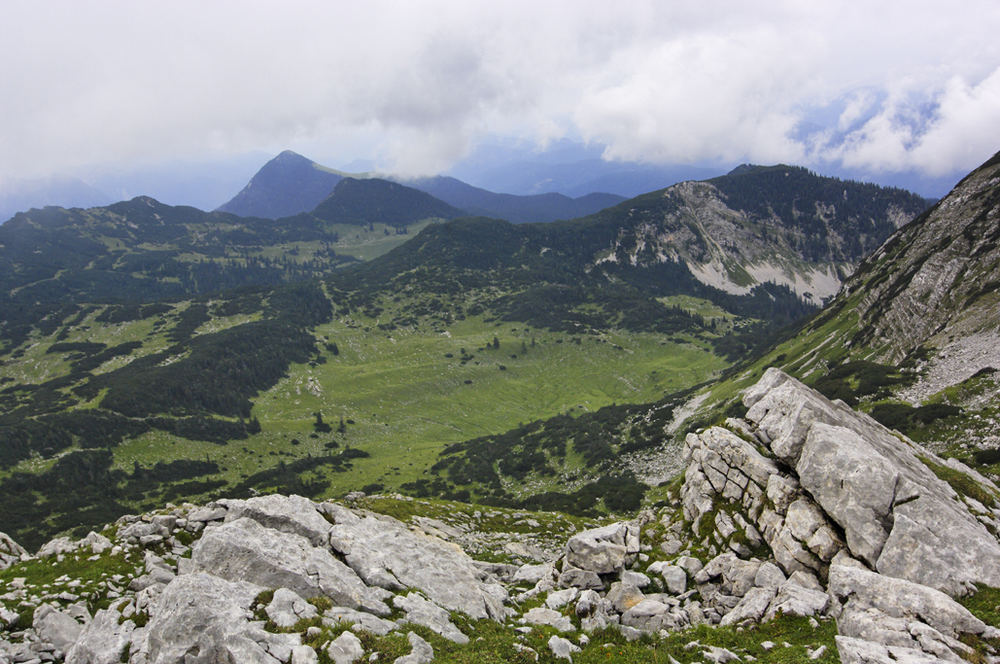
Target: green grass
[
  {"x": 492, "y": 642},
  {"x": 41, "y": 571},
  {"x": 407, "y": 399},
  {"x": 963, "y": 484},
  {"x": 484, "y": 518},
  {"x": 364, "y": 244},
  {"x": 984, "y": 604}
]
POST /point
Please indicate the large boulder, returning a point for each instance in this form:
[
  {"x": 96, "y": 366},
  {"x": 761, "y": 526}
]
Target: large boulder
[
  {"x": 203, "y": 619},
  {"x": 103, "y": 641},
  {"x": 603, "y": 550},
  {"x": 245, "y": 551},
  {"x": 893, "y": 612},
  {"x": 385, "y": 553},
  {"x": 56, "y": 627},
  {"x": 288, "y": 514}
]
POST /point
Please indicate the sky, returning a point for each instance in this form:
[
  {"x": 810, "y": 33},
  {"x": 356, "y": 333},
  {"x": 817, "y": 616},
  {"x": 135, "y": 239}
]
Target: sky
[{"x": 413, "y": 87}]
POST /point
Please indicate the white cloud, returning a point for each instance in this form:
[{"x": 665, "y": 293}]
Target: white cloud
[{"x": 416, "y": 85}]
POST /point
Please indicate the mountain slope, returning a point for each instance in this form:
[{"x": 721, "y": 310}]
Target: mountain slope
[
  {"x": 938, "y": 276},
  {"x": 777, "y": 224},
  {"x": 286, "y": 185},
  {"x": 913, "y": 337},
  {"x": 514, "y": 208},
  {"x": 374, "y": 200},
  {"x": 142, "y": 251}
]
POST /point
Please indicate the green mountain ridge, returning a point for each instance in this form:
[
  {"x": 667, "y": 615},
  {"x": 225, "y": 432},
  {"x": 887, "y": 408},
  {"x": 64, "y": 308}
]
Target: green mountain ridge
[{"x": 370, "y": 200}]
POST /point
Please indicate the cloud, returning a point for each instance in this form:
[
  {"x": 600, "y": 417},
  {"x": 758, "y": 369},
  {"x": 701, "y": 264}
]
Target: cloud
[{"x": 415, "y": 86}]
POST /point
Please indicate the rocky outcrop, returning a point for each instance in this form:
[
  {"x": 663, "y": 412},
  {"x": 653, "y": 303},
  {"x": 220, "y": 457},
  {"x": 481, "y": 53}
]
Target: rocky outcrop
[
  {"x": 387, "y": 554},
  {"x": 804, "y": 508},
  {"x": 244, "y": 550},
  {"x": 896, "y": 514},
  {"x": 853, "y": 514}
]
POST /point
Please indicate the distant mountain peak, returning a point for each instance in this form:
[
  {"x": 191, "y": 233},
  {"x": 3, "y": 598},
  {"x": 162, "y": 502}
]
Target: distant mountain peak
[
  {"x": 286, "y": 185},
  {"x": 290, "y": 154}
]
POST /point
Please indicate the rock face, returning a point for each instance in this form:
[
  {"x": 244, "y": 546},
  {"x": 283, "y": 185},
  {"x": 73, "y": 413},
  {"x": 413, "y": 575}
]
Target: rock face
[
  {"x": 204, "y": 618},
  {"x": 897, "y": 515},
  {"x": 711, "y": 226},
  {"x": 840, "y": 502},
  {"x": 244, "y": 550},
  {"x": 385, "y": 553},
  {"x": 929, "y": 279}
]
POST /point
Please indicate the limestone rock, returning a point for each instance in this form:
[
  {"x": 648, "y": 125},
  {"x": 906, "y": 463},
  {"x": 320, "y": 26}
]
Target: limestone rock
[
  {"x": 287, "y": 608},
  {"x": 674, "y": 578},
  {"x": 244, "y": 550},
  {"x": 562, "y": 648},
  {"x": 214, "y": 512},
  {"x": 859, "y": 651},
  {"x": 10, "y": 551},
  {"x": 637, "y": 579},
  {"x": 361, "y": 620},
  {"x": 603, "y": 550},
  {"x": 62, "y": 545},
  {"x": 560, "y": 598},
  {"x": 102, "y": 641},
  {"x": 287, "y": 514},
  {"x": 423, "y": 612},
  {"x": 897, "y": 612},
  {"x": 751, "y": 606},
  {"x": 202, "y": 619},
  {"x": 897, "y": 515},
  {"x": 345, "y": 649},
  {"x": 574, "y": 577},
  {"x": 304, "y": 655},
  {"x": 533, "y": 573},
  {"x": 8, "y": 618},
  {"x": 96, "y": 542},
  {"x": 648, "y": 616},
  {"x": 795, "y": 600},
  {"x": 623, "y": 596},
  {"x": 543, "y": 616},
  {"x": 56, "y": 627},
  {"x": 421, "y": 652},
  {"x": 386, "y": 553}
]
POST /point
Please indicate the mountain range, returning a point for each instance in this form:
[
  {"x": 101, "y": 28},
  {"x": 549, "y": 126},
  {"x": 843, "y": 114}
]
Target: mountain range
[
  {"x": 787, "y": 385},
  {"x": 290, "y": 184}
]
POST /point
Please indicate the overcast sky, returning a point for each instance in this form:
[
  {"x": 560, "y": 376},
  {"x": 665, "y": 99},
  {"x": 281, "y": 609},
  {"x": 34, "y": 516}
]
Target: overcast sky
[{"x": 415, "y": 85}]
